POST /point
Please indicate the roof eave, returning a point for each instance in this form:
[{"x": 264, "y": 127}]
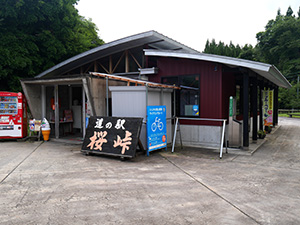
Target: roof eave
[
  {"x": 266, "y": 70},
  {"x": 112, "y": 48}
]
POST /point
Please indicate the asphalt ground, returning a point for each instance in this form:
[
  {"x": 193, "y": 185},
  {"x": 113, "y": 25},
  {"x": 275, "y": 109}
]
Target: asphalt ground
[{"x": 54, "y": 183}]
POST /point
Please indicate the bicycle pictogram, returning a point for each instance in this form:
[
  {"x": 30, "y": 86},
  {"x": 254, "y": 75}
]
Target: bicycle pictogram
[{"x": 157, "y": 124}]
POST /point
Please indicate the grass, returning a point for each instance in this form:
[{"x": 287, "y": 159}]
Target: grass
[{"x": 295, "y": 115}]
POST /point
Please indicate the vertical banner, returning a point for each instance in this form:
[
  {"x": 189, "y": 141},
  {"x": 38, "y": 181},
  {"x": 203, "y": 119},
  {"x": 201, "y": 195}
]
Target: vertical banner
[
  {"x": 268, "y": 96},
  {"x": 156, "y": 128}
]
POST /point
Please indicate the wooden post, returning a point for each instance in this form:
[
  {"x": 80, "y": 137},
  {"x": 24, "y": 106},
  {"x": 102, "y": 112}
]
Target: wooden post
[
  {"x": 275, "y": 109},
  {"x": 261, "y": 125},
  {"x": 254, "y": 108},
  {"x": 83, "y": 112},
  {"x": 43, "y": 95},
  {"x": 110, "y": 65},
  {"x": 126, "y": 62},
  {"x": 95, "y": 66},
  {"x": 245, "y": 109},
  {"x": 56, "y": 111}
]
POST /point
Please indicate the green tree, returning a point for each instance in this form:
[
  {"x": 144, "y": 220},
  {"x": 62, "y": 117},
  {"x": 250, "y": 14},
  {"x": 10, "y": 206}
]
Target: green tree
[
  {"x": 246, "y": 52},
  {"x": 279, "y": 44},
  {"x": 38, "y": 34},
  {"x": 289, "y": 12},
  {"x": 289, "y": 98}
]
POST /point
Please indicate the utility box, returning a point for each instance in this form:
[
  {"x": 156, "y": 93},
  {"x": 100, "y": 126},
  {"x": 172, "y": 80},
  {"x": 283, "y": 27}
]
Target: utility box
[{"x": 132, "y": 101}]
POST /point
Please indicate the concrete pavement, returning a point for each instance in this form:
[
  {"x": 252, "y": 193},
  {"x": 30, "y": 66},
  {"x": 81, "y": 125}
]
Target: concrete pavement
[{"x": 53, "y": 183}]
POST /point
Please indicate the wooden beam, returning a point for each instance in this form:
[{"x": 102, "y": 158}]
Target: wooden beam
[
  {"x": 88, "y": 68},
  {"x": 129, "y": 80},
  {"x": 118, "y": 62},
  {"x": 137, "y": 63},
  {"x": 103, "y": 67}
]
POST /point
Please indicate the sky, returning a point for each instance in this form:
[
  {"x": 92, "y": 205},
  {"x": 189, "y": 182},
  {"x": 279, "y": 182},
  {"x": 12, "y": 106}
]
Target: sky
[{"x": 190, "y": 22}]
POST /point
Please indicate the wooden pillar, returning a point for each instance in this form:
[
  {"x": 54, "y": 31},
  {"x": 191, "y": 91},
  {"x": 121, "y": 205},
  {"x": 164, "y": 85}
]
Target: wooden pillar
[
  {"x": 245, "y": 109},
  {"x": 275, "y": 113},
  {"x": 110, "y": 65},
  {"x": 43, "y": 95},
  {"x": 261, "y": 124},
  {"x": 254, "y": 108},
  {"x": 95, "y": 66},
  {"x": 56, "y": 111},
  {"x": 83, "y": 113},
  {"x": 126, "y": 62}
]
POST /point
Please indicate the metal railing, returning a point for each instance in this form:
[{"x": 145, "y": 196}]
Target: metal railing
[
  {"x": 201, "y": 119},
  {"x": 287, "y": 111}
]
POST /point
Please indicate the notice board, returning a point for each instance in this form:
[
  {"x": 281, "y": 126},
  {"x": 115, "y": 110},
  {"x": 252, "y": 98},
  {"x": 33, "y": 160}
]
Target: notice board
[
  {"x": 156, "y": 128},
  {"x": 112, "y": 136}
]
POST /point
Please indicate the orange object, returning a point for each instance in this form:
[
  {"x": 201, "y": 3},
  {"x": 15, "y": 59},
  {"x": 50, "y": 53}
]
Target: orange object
[
  {"x": 53, "y": 103},
  {"x": 46, "y": 133}
]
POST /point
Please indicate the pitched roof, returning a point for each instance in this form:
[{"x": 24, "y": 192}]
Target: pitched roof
[
  {"x": 151, "y": 38},
  {"x": 162, "y": 46}
]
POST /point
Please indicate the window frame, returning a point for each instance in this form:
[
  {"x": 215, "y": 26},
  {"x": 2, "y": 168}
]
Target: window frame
[{"x": 179, "y": 81}]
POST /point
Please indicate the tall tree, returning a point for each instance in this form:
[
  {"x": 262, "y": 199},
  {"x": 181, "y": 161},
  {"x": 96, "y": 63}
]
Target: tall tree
[
  {"x": 37, "y": 34},
  {"x": 279, "y": 44},
  {"x": 246, "y": 52},
  {"x": 289, "y": 12}
]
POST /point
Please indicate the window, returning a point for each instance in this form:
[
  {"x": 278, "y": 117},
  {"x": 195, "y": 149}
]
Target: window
[{"x": 188, "y": 97}]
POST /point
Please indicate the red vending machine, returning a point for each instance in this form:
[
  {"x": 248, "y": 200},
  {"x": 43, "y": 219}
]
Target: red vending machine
[{"x": 13, "y": 115}]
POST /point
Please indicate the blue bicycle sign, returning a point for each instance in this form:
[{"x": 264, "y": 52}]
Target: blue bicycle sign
[
  {"x": 156, "y": 128},
  {"x": 157, "y": 124}
]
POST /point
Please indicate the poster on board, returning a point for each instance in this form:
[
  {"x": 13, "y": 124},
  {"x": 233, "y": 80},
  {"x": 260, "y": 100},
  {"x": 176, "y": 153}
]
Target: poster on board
[
  {"x": 268, "y": 96},
  {"x": 156, "y": 128},
  {"x": 112, "y": 136}
]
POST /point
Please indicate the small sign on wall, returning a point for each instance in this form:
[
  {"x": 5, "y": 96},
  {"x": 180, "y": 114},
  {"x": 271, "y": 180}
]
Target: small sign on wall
[{"x": 112, "y": 136}]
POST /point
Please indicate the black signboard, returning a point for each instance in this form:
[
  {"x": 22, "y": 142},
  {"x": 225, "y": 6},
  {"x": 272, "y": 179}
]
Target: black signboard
[{"x": 112, "y": 136}]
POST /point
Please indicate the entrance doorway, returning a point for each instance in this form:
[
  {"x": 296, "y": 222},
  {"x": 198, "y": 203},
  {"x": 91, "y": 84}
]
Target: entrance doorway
[{"x": 67, "y": 122}]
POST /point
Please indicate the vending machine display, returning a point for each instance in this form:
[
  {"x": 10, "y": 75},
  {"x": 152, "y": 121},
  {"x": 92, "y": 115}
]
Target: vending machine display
[{"x": 13, "y": 115}]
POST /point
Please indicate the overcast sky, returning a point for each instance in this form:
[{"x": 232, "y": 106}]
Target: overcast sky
[{"x": 190, "y": 22}]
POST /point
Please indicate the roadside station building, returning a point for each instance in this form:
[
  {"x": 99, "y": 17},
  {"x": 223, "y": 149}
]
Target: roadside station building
[{"x": 204, "y": 84}]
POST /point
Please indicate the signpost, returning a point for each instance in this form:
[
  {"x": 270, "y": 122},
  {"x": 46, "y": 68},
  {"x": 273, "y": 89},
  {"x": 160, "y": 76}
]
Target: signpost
[
  {"x": 156, "y": 128},
  {"x": 112, "y": 136}
]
